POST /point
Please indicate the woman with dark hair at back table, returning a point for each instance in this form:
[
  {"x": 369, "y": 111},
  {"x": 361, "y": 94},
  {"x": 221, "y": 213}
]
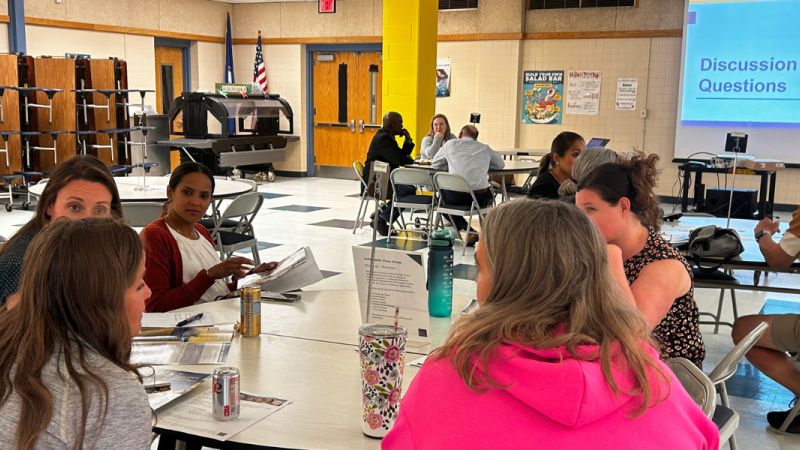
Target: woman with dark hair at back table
[
  {"x": 554, "y": 358},
  {"x": 556, "y": 167},
  {"x": 81, "y": 186},
  {"x": 66, "y": 381},
  {"x": 619, "y": 198},
  {"x": 183, "y": 266},
  {"x": 587, "y": 161}
]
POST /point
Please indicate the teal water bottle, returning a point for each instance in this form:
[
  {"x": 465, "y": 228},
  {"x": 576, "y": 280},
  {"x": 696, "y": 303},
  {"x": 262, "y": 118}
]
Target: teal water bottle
[{"x": 440, "y": 274}]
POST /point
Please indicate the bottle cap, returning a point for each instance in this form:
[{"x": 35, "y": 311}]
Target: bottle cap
[{"x": 442, "y": 239}]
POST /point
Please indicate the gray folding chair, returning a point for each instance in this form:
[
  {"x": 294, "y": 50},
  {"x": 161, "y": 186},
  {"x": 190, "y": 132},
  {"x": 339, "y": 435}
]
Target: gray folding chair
[
  {"x": 419, "y": 179},
  {"x": 701, "y": 389},
  {"x": 365, "y": 199},
  {"x": 141, "y": 214},
  {"x": 444, "y": 181},
  {"x": 244, "y": 209},
  {"x": 727, "y": 368}
]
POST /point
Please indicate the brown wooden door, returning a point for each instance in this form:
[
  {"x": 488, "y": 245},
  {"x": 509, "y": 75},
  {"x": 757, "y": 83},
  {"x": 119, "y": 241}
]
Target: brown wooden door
[
  {"x": 339, "y": 142},
  {"x": 169, "y": 64},
  {"x": 10, "y": 161}
]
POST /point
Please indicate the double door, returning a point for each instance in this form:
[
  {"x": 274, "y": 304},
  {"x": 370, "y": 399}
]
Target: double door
[{"x": 347, "y": 106}]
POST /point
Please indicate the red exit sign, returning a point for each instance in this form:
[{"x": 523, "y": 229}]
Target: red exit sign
[{"x": 327, "y": 6}]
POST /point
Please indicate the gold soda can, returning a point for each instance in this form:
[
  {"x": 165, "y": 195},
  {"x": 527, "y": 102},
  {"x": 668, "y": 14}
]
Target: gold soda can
[{"x": 250, "y": 310}]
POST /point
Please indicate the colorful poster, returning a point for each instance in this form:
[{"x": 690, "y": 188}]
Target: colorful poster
[
  {"x": 542, "y": 95},
  {"x": 443, "y": 77},
  {"x": 626, "y": 93},
  {"x": 583, "y": 92}
]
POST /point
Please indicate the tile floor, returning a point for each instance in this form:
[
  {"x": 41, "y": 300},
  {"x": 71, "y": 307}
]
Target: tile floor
[{"x": 318, "y": 213}]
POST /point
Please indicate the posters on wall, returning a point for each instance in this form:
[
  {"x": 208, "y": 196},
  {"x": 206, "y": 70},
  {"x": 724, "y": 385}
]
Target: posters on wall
[
  {"x": 626, "y": 93},
  {"x": 443, "y": 77},
  {"x": 542, "y": 96},
  {"x": 583, "y": 92}
]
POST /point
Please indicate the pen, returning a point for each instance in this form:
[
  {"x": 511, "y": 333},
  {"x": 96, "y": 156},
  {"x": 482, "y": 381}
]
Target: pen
[{"x": 190, "y": 320}]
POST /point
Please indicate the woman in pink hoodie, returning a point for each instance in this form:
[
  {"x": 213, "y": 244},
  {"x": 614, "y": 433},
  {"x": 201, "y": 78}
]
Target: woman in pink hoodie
[{"x": 555, "y": 358}]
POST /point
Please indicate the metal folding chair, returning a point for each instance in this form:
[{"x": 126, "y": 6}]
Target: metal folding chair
[
  {"x": 443, "y": 181},
  {"x": 365, "y": 200},
  {"x": 419, "y": 179},
  {"x": 243, "y": 208}
]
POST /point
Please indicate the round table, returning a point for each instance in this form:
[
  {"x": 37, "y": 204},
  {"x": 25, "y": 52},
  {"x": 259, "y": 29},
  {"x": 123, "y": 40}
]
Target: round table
[
  {"x": 307, "y": 353},
  {"x": 157, "y": 189},
  {"x": 511, "y": 168}
]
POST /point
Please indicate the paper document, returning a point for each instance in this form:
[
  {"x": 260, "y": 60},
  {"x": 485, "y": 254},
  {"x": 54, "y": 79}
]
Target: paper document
[
  {"x": 399, "y": 282},
  {"x": 184, "y": 335},
  {"x": 156, "y": 353},
  {"x": 170, "y": 320},
  {"x": 296, "y": 271},
  {"x": 194, "y": 416},
  {"x": 180, "y": 383}
]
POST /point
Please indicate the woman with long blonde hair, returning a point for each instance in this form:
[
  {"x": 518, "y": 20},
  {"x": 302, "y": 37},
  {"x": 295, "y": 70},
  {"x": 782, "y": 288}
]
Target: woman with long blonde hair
[
  {"x": 438, "y": 136},
  {"x": 65, "y": 375},
  {"x": 556, "y": 357}
]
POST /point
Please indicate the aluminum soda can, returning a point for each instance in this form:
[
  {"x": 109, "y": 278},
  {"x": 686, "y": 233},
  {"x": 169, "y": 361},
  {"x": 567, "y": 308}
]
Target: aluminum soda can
[
  {"x": 225, "y": 389},
  {"x": 250, "y": 311}
]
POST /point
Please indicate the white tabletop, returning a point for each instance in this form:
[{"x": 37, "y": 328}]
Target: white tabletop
[
  {"x": 511, "y": 167},
  {"x": 157, "y": 189},
  {"x": 322, "y": 380},
  {"x": 329, "y": 316}
]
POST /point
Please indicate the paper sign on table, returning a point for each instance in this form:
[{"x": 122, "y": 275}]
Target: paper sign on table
[
  {"x": 170, "y": 320},
  {"x": 399, "y": 282},
  {"x": 194, "y": 416}
]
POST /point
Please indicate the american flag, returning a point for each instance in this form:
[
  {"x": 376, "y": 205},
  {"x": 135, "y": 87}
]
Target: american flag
[{"x": 259, "y": 69}]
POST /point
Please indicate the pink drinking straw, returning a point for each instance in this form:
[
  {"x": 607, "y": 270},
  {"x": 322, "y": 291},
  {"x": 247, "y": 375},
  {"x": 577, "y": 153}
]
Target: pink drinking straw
[{"x": 396, "y": 315}]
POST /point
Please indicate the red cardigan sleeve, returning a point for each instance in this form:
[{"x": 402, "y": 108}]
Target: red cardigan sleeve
[{"x": 163, "y": 273}]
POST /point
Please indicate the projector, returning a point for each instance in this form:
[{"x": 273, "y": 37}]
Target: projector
[{"x": 726, "y": 161}]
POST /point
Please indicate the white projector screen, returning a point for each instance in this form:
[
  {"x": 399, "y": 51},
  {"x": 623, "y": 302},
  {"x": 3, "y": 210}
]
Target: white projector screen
[{"x": 739, "y": 72}]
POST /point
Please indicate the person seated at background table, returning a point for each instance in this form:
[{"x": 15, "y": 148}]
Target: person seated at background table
[
  {"x": 439, "y": 135},
  {"x": 65, "y": 376},
  {"x": 554, "y": 358},
  {"x": 183, "y": 266},
  {"x": 81, "y": 186},
  {"x": 384, "y": 148},
  {"x": 472, "y": 160},
  {"x": 620, "y": 200},
  {"x": 587, "y": 161},
  {"x": 556, "y": 167},
  {"x": 769, "y": 355}
]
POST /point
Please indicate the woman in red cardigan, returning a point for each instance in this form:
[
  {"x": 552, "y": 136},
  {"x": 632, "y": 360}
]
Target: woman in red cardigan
[{"x": 182, "y": 265}]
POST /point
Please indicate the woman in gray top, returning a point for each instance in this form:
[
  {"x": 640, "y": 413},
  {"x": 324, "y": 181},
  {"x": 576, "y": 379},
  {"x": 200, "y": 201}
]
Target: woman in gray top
[
  {"x": 436, "y": 138},
  {"x": 65, "y": 376}
]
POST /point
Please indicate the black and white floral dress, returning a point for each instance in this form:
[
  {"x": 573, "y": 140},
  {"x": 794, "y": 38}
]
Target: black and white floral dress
[{"x": 678, "y": 334}]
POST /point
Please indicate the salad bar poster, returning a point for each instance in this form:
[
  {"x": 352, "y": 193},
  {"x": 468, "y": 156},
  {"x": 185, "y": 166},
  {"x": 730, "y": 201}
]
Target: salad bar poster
[{"x": 542, "y": 96}]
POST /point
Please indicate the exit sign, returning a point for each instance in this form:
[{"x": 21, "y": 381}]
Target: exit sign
[{"x": 327, "y": 6}]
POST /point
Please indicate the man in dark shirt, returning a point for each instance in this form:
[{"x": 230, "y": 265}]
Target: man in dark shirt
[{"x": 384, "y": 148}]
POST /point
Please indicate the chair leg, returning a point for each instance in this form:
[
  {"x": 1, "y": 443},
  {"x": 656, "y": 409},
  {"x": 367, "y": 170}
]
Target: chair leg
[
  {"x": 732, "y": 441},
  {"x": 723, "y": 394},
  {"x": 256, "y": 256},
  {"x": 719, "y": 310},
  {"x": 792, "y": 414},
  {"x": 469, "y": 230},
  {"x": 733, "y": 303},
  {"x": 358, "y": 215}
]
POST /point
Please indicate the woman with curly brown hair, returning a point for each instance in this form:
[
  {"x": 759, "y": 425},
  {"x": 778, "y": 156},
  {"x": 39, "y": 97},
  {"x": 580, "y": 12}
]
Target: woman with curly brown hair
[{"x": 620, "y": 200}]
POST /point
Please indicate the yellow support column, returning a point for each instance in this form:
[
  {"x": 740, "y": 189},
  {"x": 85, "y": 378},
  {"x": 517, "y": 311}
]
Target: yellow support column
[{"x": 410, "y": 32}]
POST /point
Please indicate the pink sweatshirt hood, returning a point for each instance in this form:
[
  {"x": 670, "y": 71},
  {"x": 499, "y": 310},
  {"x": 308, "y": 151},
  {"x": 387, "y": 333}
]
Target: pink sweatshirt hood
[{"x": 576, "y": 392}]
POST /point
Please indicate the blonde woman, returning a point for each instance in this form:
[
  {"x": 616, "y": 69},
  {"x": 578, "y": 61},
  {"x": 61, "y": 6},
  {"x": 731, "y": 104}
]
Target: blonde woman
[
  {"x": 440, "y": 133},
  {"x": 556, "y": 357}
]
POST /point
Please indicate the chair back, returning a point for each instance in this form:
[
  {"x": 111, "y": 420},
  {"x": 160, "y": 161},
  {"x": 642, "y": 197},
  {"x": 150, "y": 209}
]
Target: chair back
[
  {"x": 245, "y": 207},
  {"x": 411, "y": 177},
  {"x": 444, "y": 181},
  {"x": 359, "y": 168},
  {"x": 727, "y": 367},
  {"x": 141, "y": 214},
  {"x": 696, "y": 383}
]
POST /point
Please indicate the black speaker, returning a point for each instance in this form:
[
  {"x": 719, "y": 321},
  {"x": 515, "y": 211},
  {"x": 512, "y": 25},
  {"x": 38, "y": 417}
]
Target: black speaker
[{"x": 745, "y": 202}]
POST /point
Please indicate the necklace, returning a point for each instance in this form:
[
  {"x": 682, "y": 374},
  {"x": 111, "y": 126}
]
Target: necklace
[{"x": 191, "y": 236}]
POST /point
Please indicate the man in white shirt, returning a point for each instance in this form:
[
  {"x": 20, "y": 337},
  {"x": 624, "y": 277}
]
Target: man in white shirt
[{"x": 472, "y": 160}]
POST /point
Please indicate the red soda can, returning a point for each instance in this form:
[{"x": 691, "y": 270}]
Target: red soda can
[{"x": 225, "y": 397}]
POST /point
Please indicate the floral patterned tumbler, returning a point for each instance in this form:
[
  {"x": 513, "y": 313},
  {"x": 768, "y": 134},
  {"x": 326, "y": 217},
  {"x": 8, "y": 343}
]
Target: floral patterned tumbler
[{"x": 383, "y": 351}]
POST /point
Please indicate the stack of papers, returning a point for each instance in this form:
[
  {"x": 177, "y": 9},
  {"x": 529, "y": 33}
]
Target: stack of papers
[
  {"x": 180, "y": 383},
  {"x": 296, "y": 271}
]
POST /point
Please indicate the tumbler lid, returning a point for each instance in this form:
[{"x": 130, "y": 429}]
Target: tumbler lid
[{"x": 442, "y": 239}]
